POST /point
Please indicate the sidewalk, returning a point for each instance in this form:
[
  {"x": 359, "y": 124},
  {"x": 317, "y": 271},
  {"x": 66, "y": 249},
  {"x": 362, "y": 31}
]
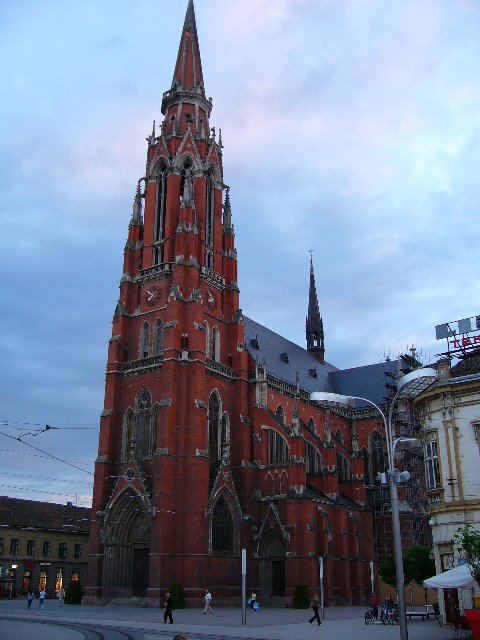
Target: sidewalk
[{"x": 267, "y": 624}]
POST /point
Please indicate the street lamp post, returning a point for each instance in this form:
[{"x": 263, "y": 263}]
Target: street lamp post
[{"x": 409, "y": 385}]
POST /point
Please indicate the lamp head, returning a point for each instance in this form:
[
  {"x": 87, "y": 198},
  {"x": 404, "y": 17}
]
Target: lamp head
[
  {"x": 323, "y": 396},
  {"x": 413, "y": 383}
]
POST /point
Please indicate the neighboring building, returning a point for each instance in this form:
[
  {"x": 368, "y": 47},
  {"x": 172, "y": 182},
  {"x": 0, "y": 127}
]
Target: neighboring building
[
  {"x": 42, "y": 545},
  {"x": 208, "y": 440},
  {"x": 449, "y": 413}
]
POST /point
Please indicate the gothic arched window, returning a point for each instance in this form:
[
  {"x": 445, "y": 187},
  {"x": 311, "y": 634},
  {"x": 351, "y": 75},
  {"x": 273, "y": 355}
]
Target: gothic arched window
[
  {"x": 144, "y": 437},
  {"x": 366, "y": 466},
  {"x": 222, "y": 527},
  {"x": 207, "y": 341},
  {"x": 161, "y": 201},
  {"x": 216, "y": 344},
  {"x": 225, "y": 434},
  {"x": 128, "y": 434},
  {"x": 145, "y": 340},
  {"x": 280, "y": 415},
  {"x": 277, "y": 448},
  {"x": 339, "y": 436},
  {"x": 313, "y": 459},
  {"x": 343, "y": 469},
  {"x": 158, "y": 338},
  {"x": 214, "y": 426},
  {"x": 311, "y": 426},
  {"x": 209, "y": 219}
]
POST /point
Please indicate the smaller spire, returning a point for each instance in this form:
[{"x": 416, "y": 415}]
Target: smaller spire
[
  {"x": 151, "y": 138},
  {"x": 227, "y": 213},
  {"x": 137, "y": 206},
  {"x": 314, "y": 322}
]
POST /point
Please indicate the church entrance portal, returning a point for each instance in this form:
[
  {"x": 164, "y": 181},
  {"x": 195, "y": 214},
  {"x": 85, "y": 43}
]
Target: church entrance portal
[
  {"x": 140, "y": 572},
  {"x": 272, "y": 565},
  {"x": 126, "y": 536}
]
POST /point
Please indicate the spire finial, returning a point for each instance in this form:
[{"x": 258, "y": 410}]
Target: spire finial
[
  {"x": 311, "y": 262},
  {"x": 190, "y": 23}
]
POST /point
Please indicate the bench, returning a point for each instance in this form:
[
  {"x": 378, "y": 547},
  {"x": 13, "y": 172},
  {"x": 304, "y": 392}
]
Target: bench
[{"x": 420, "y": 614}]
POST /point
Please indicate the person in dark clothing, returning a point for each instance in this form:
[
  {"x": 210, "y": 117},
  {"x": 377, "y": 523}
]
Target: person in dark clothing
[
  {"x": 168, "y": 604},
  {"x": 315, "y": 605}
]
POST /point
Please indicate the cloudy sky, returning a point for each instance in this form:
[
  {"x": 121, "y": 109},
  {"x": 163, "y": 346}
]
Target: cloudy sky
[{"x": 350, "y": 127}]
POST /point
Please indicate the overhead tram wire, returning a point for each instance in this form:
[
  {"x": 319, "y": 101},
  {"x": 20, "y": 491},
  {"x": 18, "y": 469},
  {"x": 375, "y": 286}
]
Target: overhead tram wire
[
  {"x": 60, "y": 480},
  {"x": 45, "y": 427},
  {"x": 52, "y": 493},
  {"x": 50, "y": 455},
  {"x": 35, "y": 455}
]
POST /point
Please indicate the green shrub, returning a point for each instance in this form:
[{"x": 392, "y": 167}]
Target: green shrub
[
  {"x": 301, "y": 597},
  {"x": 73, "y": 593},
  {"x": 178, "y": 595}
]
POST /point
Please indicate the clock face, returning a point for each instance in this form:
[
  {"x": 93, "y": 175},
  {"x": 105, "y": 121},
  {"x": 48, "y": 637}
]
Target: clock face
[
  {"x": 210, "y": 299},
  {"x": 152, "y": 295}
]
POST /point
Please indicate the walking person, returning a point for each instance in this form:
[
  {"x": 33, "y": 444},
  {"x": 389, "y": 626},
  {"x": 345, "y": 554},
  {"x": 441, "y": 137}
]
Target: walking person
[
  {"x": 61, "y": 596},
  {"x": 168, "y": 604},
  {"x": 29, "y": 599},
  {"x": 208, "y": 600},
  {"x": 41, "y": 598},
  {"x": 389, "y": 608},
  {"x": 315, "y": 604},
  {"x": 252, "y": 601}
]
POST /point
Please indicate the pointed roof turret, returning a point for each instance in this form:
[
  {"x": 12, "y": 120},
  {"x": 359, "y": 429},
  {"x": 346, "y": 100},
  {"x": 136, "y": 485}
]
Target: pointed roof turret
[
  {"x": 137, "y": 207},
  {"x": 188, "y": 70},
  {"x": 314, "y": 322},
  {"x": 187, "y": 83}
]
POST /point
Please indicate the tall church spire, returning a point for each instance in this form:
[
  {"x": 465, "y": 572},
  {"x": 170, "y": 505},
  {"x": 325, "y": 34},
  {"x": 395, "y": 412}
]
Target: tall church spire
[
  {"x": 185, "y": 105},
  {"x": 314, "y": 322},
  {"x": 188, "y": 70}
]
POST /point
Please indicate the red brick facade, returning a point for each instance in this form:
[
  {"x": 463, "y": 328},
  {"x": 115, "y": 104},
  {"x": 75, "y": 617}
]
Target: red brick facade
[{"x": 195, "y": 459}]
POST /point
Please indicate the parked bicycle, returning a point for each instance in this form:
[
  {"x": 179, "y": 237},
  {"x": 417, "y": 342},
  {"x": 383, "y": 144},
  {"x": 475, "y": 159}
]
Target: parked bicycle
[
  {"x": 370, "y": 617},
  {"x": 389, "y": 617}
]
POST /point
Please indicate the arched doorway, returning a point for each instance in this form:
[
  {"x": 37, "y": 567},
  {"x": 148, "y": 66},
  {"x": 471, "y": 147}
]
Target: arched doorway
[
  {"x": 272, "y": 565},
  {"x": 126, "y": 536}
]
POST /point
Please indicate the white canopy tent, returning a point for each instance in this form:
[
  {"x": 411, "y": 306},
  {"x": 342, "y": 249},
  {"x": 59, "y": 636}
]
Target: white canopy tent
[{"x": 456, "y": 578}]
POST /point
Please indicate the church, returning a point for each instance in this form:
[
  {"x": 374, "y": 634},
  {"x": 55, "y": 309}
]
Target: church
[{"x": 209, "y": 443}]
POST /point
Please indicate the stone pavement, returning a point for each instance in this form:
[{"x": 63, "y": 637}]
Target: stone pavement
[{"x": 340, "y": 623}]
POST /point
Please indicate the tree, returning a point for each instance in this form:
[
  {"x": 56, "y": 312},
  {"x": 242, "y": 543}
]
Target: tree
[
  {"x": 73, "y": 593},
  {"x": 418, "y": 565},
  {"x": 467, "y": 543},
  {"x": 387, "y": 571},
  {"x": 301, "y": 598},
  {"x": 178, "y": 595}
]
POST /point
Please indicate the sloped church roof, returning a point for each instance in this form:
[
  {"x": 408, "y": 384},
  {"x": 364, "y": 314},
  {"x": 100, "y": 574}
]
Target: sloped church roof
[{"x": 285, "y": 359}]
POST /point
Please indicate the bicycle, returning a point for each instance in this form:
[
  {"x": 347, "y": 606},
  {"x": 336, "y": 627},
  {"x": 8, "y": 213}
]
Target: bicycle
[{"x": 370, "y": 618}]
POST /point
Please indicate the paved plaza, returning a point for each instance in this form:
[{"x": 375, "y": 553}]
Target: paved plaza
[{"x": 340, "y": 623}]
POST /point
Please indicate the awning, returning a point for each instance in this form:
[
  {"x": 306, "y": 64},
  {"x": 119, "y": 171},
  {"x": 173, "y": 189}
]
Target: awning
[{"x": 456, "y": 578}]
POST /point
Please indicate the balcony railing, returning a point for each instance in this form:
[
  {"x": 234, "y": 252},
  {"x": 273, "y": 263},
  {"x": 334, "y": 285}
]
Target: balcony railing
[
  {"x": 435, "y": 496},
  {"x": 152, "y": 362},
  {"x": 222, "y": 369}
]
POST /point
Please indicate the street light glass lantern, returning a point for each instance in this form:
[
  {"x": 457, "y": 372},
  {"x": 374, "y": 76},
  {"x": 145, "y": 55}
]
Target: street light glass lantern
[{"x": 413, "y": 383}]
